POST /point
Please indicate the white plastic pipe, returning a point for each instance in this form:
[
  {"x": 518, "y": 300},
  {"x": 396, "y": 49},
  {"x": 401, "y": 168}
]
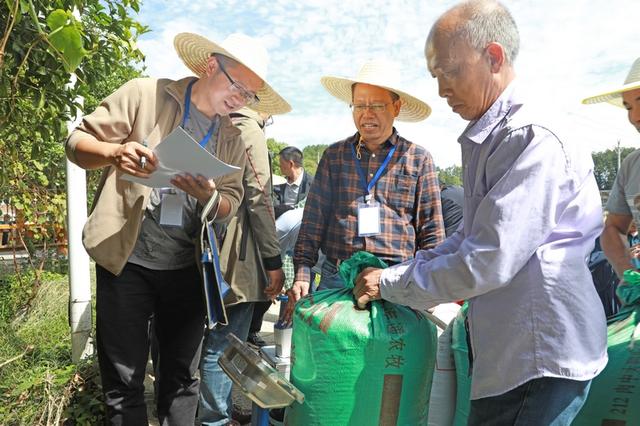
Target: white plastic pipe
[{"x": 80, "y": 314}]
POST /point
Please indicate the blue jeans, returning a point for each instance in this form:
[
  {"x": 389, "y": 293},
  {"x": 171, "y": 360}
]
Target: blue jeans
[
  {"x": 329, "y": 277},
  {"x": 215, "y": 386},
  {"x": 547, "y": 401}
]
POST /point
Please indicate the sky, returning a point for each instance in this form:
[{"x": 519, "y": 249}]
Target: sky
[{"x": 569, "y": 49}]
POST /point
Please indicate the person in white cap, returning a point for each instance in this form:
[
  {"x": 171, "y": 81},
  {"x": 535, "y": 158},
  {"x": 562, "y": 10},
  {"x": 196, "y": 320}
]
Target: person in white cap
[
  {"x": 622, "y": 205},
  {"x": 532, "y": 212},
  {"x": 373, "y": 191},
  {"x": 144, "y": 266}
]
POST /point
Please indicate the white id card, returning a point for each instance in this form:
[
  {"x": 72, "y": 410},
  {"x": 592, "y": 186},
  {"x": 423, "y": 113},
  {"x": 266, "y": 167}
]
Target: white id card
[
  {"x": 171, "y": 210},
  {"x": 368, "y": 219}
]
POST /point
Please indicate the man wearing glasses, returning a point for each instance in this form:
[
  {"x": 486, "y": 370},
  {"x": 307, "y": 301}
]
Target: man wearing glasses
[
  {"x": 373, "y": 191},
  {"x": 146, "y": 267}
]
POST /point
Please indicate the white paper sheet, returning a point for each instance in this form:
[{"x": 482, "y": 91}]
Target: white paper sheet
[{"x": 179, "y": 153}]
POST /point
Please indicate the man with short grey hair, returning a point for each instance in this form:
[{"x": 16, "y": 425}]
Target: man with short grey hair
[{"x": 532, "y": 211}]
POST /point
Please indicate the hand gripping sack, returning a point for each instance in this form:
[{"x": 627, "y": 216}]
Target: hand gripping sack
[
  {"x": 360, "y": 367},
  {"x": 614, "y": 397}
]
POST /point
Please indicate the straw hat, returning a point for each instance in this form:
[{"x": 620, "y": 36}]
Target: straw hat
[
  {"x": 194, "y": 50},
  {"x": 614, "y": 96},
  {"x": 382, "y": 73}
]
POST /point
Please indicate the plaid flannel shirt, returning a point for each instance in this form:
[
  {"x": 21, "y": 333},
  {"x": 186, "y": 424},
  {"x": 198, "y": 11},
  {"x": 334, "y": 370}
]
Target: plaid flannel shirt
[{"x": 408, "y": 194}]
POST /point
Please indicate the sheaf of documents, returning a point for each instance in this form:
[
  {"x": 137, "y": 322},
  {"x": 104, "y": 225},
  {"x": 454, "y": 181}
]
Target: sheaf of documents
[{"x": 179, "y": 153}]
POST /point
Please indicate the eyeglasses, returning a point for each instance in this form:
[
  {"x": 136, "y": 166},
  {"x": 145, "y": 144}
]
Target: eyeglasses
[
  {"x": 360, "y": 108},
  {"x": 249, "y": 97}
]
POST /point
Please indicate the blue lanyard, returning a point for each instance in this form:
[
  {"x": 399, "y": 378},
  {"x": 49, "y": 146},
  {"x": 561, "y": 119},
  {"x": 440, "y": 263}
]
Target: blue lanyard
[
  {"x": 363, "y": 180},
  {"x": 185, "y": 117}
]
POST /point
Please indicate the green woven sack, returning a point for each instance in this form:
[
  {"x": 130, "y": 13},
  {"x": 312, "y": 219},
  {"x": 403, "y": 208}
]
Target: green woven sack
[
  {"x": 461, "y": 359},
  {"x": 614, "y": 398},
  {"x": 360, "y": 367}
]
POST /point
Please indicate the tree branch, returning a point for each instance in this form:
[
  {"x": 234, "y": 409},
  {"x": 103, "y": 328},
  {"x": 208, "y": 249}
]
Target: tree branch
[
  {"x": 22, "y": 64},
  {"x": 17, "y": 357},
  {"x": 7, "y": 31}
]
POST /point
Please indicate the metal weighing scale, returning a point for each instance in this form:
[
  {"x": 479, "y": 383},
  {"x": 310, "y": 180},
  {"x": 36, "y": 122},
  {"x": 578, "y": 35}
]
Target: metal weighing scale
[{"x": 258, "y": 378}]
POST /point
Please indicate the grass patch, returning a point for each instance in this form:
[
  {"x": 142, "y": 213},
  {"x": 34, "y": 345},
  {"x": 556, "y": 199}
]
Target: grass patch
[{"x": 39, "y": 384}]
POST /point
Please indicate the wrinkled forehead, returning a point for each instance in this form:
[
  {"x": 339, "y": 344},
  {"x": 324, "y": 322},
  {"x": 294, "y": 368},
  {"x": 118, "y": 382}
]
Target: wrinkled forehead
[
  {"x": 439, "y": 52},
  {"x": 444, "y": 52}
]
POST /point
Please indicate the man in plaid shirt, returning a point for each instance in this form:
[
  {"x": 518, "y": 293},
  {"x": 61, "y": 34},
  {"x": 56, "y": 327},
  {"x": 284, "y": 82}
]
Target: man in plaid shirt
[{"x": 374, "y": 191}]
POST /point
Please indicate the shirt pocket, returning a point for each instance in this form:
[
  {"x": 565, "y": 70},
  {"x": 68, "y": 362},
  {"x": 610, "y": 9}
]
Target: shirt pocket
[{"x": 403, "y": 191}]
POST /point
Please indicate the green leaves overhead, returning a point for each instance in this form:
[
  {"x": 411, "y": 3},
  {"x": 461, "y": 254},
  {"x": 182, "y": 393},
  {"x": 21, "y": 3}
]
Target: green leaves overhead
[
  {"x": 66, "y": 37},
  {"x": 42, "y": 44}
]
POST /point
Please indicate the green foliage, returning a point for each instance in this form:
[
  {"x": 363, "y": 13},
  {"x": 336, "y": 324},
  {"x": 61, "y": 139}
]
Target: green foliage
[
  {"x": 312, "y": 155},
  {"x": 14, "y": 294},
  {"x": 606, "y": 166},
  {"x": 66, "y": 37},
  {"x": 274, "y": 148},
  {"x": 38, "y": 383},
  {"x": 451, "y": 175},
  {"x": 42, "y": 43}
]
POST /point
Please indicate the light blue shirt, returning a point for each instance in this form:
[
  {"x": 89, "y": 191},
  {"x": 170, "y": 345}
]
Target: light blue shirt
[{"x": 531, "y": 214}]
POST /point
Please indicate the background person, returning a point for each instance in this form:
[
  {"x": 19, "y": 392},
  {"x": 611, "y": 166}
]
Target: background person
[
  {"x": 623, "y": 207},
  {"x": 289, "y": 198},
  {"x": 373, "y": 191},
  {"x": 251, "y": 265}
]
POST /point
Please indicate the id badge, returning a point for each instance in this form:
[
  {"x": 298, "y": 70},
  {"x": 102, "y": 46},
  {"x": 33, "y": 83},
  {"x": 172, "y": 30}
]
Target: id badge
[
  {"x": 368, "y": 219},
  {"x": 171, "y": 209}
]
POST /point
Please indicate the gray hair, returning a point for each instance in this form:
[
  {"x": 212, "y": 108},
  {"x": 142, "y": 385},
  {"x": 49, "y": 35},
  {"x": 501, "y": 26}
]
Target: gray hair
[{"x": 484, "y": 22}]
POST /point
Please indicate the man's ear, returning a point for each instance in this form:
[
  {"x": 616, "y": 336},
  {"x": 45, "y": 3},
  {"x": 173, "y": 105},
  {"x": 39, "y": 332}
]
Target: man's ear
[
  {"x": 496, "y": 55},
  {"x": 212, "y": 65},
  {"x": 397, "y": 105}
]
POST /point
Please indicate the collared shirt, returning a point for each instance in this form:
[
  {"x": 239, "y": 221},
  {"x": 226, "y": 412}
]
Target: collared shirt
[
  {"x": 407, "y": 191},
  {"x": 531, "y": 214},
  {"x": 291, "y": 190}
]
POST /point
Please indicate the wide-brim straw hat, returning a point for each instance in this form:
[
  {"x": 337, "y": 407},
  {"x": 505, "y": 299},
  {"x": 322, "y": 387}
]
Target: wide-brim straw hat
[
  {"x": 614, "y": 96},
  {"x": 194, "y": 50},
  {"x": 382, "y": 73}
]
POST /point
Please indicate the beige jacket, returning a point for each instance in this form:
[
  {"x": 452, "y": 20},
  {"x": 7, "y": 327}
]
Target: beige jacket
[
  {"x": 251, "y": 244},
  {"x": 151, "y": 109}
]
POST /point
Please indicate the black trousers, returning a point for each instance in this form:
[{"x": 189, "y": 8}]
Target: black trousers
[
  {"x": 124, "y": 306},
  {"x": 259, "y": 309}
]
